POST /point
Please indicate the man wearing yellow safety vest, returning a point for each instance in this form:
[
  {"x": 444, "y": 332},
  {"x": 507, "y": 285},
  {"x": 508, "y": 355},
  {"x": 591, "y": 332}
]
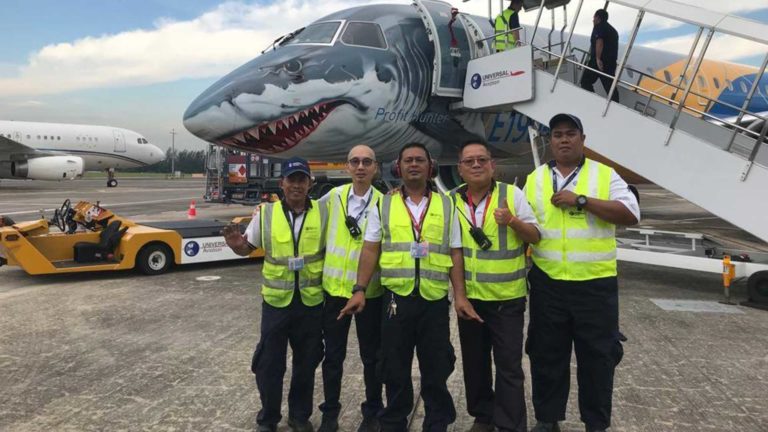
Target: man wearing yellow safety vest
[
  {"x": 574, "y": 291},
  {"x": 508, "y": 19},
  {"x": 418, "y": 249},
  {"x": 348, "y": 209},
  {"x": 292, "y": 233},
  {"x": 492, "y": 236}
]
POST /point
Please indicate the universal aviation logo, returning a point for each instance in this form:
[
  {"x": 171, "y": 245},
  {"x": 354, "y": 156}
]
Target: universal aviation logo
[
  {"x": 192, "y": 248},
  {"x": 493, "y": 78}
]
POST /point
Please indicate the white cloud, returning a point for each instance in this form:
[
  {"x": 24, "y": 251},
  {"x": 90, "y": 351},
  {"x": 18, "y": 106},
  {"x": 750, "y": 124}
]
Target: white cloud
[{"x": 222, "y": 39}]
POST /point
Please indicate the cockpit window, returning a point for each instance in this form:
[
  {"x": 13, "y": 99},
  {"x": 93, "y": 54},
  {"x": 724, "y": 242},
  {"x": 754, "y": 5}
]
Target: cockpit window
[
  {"x": 364, "y": 34},
  {"x": 315, "y": 33},
  {"x": 141, "y": 141}
]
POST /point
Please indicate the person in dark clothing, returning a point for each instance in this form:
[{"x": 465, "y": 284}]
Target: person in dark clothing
[{"x": 603, "y": 52}]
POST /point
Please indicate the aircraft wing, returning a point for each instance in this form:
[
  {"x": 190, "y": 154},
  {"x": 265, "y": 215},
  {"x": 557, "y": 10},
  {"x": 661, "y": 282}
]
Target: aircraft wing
[
  {"x": 10, "y": 147},
  {"x": 746, "y": 120}
]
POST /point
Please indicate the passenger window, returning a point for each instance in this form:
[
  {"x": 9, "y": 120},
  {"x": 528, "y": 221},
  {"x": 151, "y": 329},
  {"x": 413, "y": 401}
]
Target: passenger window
[
  {"x": 364, "y": 34},
  {"x": 743, "y": 86},
  {"x": 29, "y": 136},
  {"x": 667, "y": 76},
  {"x": 716, "y": 82},
  {"x": 45, "y": 137}
]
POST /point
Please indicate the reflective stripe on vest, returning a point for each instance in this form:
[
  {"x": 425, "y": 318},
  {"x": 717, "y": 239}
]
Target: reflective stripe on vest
[
  {"x": 499, "y": 272},
  {"x": 277, "y": 238},
  {"x": 342, "y": 252},
  {"x": 501, "y": 24},
  {"x": 398, "y": 268},
  {"x": 575, "y": 245}
]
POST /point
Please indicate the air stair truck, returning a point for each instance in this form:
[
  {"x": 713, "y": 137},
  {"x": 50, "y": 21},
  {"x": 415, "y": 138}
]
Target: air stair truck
[{"x": 661, "y": 137}]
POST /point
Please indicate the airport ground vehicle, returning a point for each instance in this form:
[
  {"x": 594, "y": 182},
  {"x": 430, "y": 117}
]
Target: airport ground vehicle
[
  {"x": 249, "y": 178},
  {"x": 92, "y": 238}
]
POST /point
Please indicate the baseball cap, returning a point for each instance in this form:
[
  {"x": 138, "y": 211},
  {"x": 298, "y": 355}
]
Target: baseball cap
[
  {"x": 294, "y": 165},
  {"x": 562, "y": 117}
]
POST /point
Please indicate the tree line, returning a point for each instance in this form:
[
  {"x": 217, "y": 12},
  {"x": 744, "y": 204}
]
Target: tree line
[{"x": 187, "y": 161}]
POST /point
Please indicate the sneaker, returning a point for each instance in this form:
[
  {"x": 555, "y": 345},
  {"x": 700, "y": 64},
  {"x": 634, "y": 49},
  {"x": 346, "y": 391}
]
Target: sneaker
[
  {"x": 546, "y": 427},
  {"x": 297, "y": 426},
  {"x": 369, "y": 424},
  {"x": 481, "y": 427},
  {"x": 329, "y": 424}
]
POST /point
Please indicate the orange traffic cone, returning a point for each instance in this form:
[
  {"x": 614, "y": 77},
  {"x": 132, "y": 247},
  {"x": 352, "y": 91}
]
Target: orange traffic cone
[{"x": 192, "y": 212}]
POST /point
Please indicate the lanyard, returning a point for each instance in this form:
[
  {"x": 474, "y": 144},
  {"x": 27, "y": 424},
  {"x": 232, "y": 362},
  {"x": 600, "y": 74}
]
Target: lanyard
[
  {"x": 365, "y": 206},
  {"x": 473, "y": 208},
  {"x": 417, "y": 225},
  {"x": 568, "y": 180},
  {"x": 296, "y": 238}
]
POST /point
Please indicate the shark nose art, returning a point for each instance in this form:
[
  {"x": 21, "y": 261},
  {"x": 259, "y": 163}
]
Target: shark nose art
[{"x": 284, "y": 133}]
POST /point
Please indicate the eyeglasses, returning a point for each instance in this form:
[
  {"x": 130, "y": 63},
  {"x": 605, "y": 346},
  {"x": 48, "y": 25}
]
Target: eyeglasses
[
  {"x": 357, "y": 161},
  {"x": 470, "y": 162},
  {"x": 414, "y": 160}
]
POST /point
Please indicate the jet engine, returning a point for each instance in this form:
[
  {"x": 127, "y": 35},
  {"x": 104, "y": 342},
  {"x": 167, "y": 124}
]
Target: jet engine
[{"x": 48, "y": 168}]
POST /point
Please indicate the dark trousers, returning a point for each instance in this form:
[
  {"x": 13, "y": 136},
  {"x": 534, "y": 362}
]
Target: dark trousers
[
  {"x": 423, "y": 325},
  {"x": 502, "y": 333},
  {"x": 301, "y": 326},
  {"x": 589, "y": 77},
  {"x": 335, "y": 333},
  {"x": 582, "y": 314}
]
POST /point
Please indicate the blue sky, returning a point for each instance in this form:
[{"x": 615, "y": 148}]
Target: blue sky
[{"x": 137, "y": 64}]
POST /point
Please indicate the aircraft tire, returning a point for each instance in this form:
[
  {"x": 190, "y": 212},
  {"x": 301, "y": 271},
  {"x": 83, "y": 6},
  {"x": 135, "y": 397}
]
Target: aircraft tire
[
  {"x": 154, "y": 259},
  {"x": 757, "y": 287},
  {"x": 112, "y": 183}
]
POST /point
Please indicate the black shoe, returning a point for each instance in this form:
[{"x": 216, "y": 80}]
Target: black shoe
[
  {"x": 266, "y": 428},
  {"x": 329, "y": 424},
  {"x": 482, "y": 427},
  {"x": 369, "y": 424},
  {"x": 546, "y": 427},
  {"x": 589, "y": 429},
  {"x": 297, "y": 426}
]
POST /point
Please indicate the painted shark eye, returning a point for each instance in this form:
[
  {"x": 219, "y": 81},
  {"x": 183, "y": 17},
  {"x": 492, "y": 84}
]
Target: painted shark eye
[{"x": 292, "y": 66}]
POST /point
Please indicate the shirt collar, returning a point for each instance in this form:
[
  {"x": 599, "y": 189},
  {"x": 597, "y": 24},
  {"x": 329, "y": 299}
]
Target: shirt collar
[
  {"x": 462, "y": 190},
  {"x": 287, "y": 209}
]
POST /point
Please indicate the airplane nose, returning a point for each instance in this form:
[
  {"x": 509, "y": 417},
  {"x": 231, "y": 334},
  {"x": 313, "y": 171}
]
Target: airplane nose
[{"x": 156, "y": 154}]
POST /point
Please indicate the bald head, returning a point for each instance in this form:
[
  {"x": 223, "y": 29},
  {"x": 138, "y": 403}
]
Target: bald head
[{"x": 361, "y": 151}]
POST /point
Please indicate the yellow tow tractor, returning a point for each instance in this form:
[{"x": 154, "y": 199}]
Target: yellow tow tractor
[{"x": 92, "y": 238}]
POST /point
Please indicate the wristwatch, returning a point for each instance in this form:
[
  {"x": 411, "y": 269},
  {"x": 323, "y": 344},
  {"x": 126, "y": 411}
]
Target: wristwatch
[
  {"x": 357, "y": 288},
  {"x": 581, "y": 202}
]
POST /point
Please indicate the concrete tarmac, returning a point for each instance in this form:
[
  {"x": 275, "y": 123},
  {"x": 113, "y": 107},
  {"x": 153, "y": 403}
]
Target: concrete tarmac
[{"x": 122, "y": 351}]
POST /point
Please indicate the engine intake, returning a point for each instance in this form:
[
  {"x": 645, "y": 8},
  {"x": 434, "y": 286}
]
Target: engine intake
[{"x": 48, "y": 168}]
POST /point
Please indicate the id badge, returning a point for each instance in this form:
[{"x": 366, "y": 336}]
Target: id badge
[
  {"x": 419, "y": 250},
  {"x": 295, "y": 264}
]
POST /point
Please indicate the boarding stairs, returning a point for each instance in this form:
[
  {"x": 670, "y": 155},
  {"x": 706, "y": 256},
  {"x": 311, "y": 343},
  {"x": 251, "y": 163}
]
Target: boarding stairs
[{"x": 720, "y": 167}]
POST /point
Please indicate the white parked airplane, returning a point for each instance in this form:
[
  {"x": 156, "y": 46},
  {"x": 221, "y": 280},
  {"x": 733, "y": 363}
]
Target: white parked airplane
[{"x": 55, "y": 151}]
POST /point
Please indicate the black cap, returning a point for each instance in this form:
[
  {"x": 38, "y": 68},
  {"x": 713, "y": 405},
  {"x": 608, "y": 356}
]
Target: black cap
[
  {"x": 570, "y": 118},
  {"x": 294, "y": 165}
]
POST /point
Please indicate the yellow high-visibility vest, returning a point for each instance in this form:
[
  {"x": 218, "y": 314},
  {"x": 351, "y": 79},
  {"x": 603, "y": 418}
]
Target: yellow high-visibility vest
[
  {"x": 277, "y": 238},
  {"x": 497, "y": 273},
  {"x": 575, "y": 244},
  {"x": 398, "y": 267},
  {"x": 342, "y": 253},
  {"x": 501, "y": 24}
]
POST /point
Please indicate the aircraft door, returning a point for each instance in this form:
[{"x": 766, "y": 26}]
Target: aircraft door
[
  {"x": 119, "y": 140},
  {"x": 452, "y": 46},
  {"x": 17, "y": 137}
]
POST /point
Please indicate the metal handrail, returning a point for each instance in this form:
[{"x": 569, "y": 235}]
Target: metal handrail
[{"x": 657, "y": 95}]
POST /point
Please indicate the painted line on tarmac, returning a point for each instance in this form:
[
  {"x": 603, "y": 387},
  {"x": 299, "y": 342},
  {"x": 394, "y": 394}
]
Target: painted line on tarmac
[{"x": 107, "y": 205}]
